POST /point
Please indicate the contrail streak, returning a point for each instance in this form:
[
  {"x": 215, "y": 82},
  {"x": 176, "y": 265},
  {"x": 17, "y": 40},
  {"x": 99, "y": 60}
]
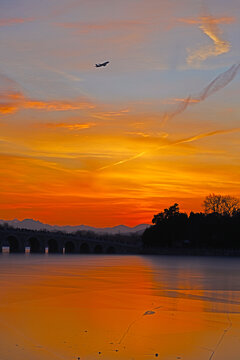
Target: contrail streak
[
  {"x": 215, "y": 85},
  {"x": 201, "y": 136},
  {"x": 124, "y": 161},
  {"x": 219, "y": 82},
  {"x": 177, "y": 142},
  {"x": 179, "y": 109}
]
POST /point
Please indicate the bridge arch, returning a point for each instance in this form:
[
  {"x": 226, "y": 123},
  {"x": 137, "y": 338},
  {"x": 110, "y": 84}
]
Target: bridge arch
[
  {"x": 111, "y": 250},
  {"x": 14, "y": 246},
  {"x": 34, "y": 245},
  {"x": 84, "y": 248},
  {"x": 98, "y": 249},
  {"x": 53, "y": 246},
  {"x": 70, "y": 247}
]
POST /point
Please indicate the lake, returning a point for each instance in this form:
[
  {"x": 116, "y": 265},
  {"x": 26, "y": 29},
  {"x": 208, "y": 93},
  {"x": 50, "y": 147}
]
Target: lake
[{"x": 119, "y": 307}]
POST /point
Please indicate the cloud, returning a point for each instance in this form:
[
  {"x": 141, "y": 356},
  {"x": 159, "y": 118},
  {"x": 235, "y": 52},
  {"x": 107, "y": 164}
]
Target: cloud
[
  {"x": 59, "y": 105},
  {"x": 11, "y": 102},
  {"x": 215, "y": 85},
  {"x": 15, "y": 21},
  {"x": 209, "y": 26},
  {"x": 7, "y": 109},
  {"x": 182, "y": 100},
  {"x": 202, "y": 19},
  {"x": 70, "y": 126},
  {"x": 109, "y": 115},
  {"x": 138, "y": 133},
  {"x": 12, "y": 99},
  {"x": 81, "y": 27},
  {"x": 9, "y": 99}
]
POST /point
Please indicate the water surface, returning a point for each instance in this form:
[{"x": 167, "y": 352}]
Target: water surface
[{"x": 119, "y": 307}]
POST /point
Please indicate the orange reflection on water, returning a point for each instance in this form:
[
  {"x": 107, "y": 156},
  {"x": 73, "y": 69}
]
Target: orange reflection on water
[{"x": 109, "y": 307}]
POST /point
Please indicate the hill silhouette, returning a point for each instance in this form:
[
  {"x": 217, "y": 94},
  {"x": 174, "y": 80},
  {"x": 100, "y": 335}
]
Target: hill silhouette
[{"x": 31, "y": 224}]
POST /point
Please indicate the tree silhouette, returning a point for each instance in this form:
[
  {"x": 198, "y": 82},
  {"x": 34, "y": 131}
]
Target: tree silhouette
[
  {"x": 166, "y": 214},
  {"x": 221, "y": 204},
  {"x": 168, "y": 230},
  {"x": 217, "y": 228}
]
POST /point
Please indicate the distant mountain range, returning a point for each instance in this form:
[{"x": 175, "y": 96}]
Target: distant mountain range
[{"x": 31, "y": 224}]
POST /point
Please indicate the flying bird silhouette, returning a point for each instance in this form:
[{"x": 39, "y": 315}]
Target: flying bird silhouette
[{"x": 102, "y": 64}]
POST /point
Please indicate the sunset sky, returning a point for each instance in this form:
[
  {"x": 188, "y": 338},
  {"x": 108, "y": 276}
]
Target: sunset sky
[{"x": 116, "y": 145}]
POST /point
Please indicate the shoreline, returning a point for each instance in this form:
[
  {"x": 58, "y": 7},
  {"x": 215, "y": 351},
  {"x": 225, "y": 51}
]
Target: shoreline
[{"x": 191, "y": 252}]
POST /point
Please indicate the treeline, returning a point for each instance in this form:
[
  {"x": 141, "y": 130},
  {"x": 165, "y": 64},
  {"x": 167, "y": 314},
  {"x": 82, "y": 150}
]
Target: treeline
[
  {"x": 218, "y": 227},
  {"x": 131, "y": 238}
]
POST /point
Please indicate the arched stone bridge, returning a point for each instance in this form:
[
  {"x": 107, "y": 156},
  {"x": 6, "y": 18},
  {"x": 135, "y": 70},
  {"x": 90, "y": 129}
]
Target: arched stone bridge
[{"x": 20, "y": 241}]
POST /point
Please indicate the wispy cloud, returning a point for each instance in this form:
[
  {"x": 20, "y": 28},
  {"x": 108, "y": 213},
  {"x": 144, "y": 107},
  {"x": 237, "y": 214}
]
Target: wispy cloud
[
  {"x": 138, "y": 133},
  {"x": 209, "y": 25},
  {"x": 12, "y": 101},
  {"x": 108, "y": 115},
  {"x": 15, "y": 21},
  {"x": 7, "y": 109},
  {"x": 81, "y": 27},
  {"x": 214, "y": 20},
  {"x": 59, "y": 105},
  {"x": 181, "y": 100},
  {"x": 69, "y": 126}
]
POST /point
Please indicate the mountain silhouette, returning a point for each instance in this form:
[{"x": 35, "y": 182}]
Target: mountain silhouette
[{"x": 31, "y": 224}]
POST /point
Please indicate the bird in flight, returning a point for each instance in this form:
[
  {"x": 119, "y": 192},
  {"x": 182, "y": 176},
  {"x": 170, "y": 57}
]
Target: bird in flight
[{"x": 102, "y": 64}]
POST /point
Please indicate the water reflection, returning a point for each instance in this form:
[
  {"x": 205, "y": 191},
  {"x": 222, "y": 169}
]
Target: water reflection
[{"x": 118, "y": 307}]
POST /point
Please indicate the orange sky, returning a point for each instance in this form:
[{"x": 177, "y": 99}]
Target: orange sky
[{"x": 116, "y": 145}]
